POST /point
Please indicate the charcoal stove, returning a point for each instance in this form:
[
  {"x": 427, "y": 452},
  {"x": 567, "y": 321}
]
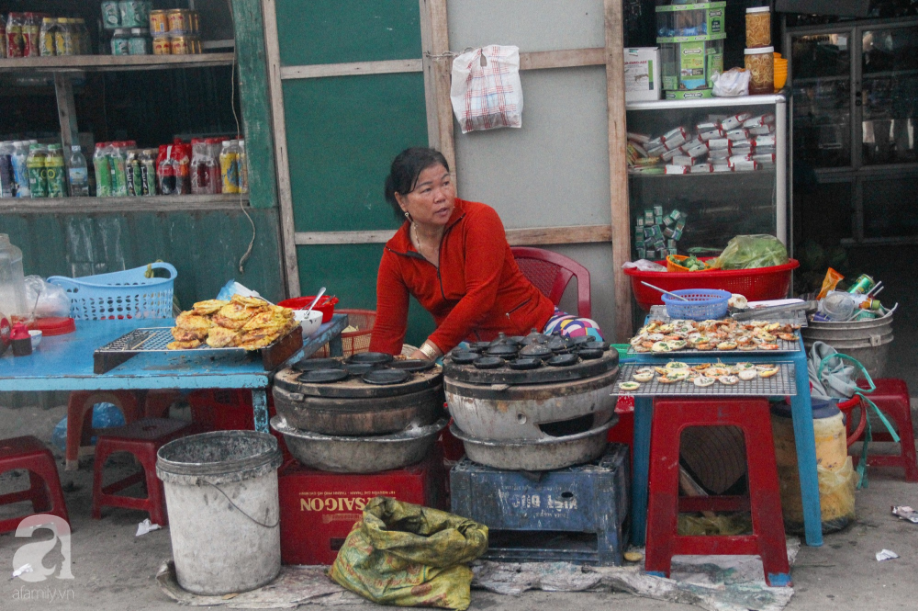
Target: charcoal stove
[{"x": 534, "y": 396}]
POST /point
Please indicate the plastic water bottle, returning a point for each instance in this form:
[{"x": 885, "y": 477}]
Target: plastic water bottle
[
  {"x": 20, "y": 170},
  {"x": 103, "y": 170},
  {"x": 77, "y": 172},
  {"x": 118, "y": 165},
  {"x": 56, "y": 171}
]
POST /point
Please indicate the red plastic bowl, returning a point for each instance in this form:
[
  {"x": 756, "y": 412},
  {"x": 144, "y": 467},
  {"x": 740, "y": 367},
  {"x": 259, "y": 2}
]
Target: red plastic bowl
[
  {"x": 755, "y": 284},
  {"x": 326, "y": 305}
]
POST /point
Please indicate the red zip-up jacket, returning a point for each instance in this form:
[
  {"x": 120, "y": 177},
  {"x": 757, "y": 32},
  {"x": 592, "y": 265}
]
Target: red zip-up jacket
[{"x": 477, "y": 292}]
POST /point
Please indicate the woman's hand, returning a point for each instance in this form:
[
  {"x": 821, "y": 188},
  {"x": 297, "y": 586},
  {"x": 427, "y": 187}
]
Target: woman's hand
[{"x": 428, "y": 351}]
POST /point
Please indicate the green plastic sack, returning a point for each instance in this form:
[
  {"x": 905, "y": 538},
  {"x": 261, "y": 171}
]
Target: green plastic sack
[
  {"x": 410, "y": 556},
  {"x": 749, "y": 251}
]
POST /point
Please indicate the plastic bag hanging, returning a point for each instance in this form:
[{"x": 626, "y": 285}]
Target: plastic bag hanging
[{"x": 486, "y": 91}]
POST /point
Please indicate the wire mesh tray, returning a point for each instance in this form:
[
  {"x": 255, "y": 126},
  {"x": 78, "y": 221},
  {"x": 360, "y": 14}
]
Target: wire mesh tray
[
  {"x": 783, "y": 347},
  {"x": 156, "y": 339},
  {"x": 780, "y": 384},
  {"x": 658, "y": 312}
]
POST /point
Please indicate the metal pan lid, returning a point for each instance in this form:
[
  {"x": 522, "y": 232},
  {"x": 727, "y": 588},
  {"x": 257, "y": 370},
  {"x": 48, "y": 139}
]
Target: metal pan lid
[
  {"x": 323, "y": 376},
  {"x": 385, "y": 377},
  {"x": 378, "y": 358},
  {"x": 412, "y": 365},
  {"x": 313, "y": 364}
]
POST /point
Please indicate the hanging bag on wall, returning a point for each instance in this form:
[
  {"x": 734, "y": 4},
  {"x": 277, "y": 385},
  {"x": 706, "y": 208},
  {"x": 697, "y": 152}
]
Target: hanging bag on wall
[{"x": 486, "y": 92}]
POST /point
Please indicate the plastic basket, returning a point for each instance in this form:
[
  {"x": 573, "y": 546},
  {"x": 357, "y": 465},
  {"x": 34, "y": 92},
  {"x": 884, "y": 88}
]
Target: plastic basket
[
  {"x": 353, "y": 342},
  {"x": 755, "y": 284},
  {"x": 702, "y": 304},
  {"x": 119, "y": 295}
]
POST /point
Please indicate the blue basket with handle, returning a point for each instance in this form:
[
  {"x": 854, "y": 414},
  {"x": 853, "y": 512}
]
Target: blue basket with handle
[
  {"x": 702, "y": 304},
  {"x": 119, "y": 295}
]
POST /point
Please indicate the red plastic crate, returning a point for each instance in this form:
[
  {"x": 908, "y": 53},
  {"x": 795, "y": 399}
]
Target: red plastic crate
[
  {"x": 318, "y": 509},
  {"x": 755, "y": 284}
]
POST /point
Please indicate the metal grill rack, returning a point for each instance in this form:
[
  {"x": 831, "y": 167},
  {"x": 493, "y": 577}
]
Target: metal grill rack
[
  {"x": 783, "y": 347},
  {"x": 658, "y": 312},
  {"x": 152, "y": 339},
  {"x": 780, "y": 384}
]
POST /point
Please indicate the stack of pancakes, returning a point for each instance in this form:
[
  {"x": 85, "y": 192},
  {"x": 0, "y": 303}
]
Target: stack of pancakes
[{"x": 243, "y": 322}]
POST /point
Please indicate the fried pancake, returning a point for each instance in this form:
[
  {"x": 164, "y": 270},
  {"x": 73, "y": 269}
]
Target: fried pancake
[
  {"x": 219, "y": 337},
  {"x": 211, "y": 306},
  {"x": 229, "y": 323},
  {"x": 252, "y": 302},
  {"x": 190, "y": 320},
  {"x": 187, "y": 335},
  {"x": 178, "y": 345},
  {"x": 264, "y": 320},
  {"x": 235, "y": 311}
]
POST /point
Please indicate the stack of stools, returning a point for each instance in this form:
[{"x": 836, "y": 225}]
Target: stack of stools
[
  {"x": 671, "y": 417},
  {"x": 142, "y": 438},
  {"x": 892, "y": 398},
  {"x": 44, "y": 485}
]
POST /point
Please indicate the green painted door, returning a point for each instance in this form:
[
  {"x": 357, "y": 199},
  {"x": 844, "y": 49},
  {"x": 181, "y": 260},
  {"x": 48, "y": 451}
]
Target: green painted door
[{"x": 342, "y": 132}]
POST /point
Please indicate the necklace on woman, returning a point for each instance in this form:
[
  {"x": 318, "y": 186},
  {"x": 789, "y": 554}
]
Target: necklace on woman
[{"x": 435, "y": 249}]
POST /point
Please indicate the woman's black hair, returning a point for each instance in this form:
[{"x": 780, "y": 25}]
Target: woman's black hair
[{"x": 406, "y": 167}]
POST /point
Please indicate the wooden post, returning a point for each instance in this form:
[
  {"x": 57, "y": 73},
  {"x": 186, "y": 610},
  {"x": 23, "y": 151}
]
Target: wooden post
[
  {"x": 66, "y": 111},
  {"x": 618, "y": 174},
  {"x": 438, "y": 32},
  {"x": 285, "y": 199}
]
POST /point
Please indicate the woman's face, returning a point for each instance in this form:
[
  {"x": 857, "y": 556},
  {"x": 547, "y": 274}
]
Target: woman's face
[{"x": 433, "y": 198}]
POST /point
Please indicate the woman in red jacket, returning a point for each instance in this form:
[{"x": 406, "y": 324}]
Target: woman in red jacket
[{"x": 452, "y": 256}]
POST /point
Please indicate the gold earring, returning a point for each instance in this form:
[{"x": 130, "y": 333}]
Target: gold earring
[{"x": 408, "y": 216}]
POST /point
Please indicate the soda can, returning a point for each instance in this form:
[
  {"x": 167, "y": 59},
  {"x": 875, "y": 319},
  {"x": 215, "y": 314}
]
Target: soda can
[
  {"x": 866, "y": 315},
  {"x": 195, "y": 19},
  {"x": 178, "y": 21},
  {"x": 111, "y": 14},
  {"x": 179, "y": 45},
  {"x": 862, "y": 285},
  {"x": 159, "y": 22},
  {"x": 162, "y": 45}
]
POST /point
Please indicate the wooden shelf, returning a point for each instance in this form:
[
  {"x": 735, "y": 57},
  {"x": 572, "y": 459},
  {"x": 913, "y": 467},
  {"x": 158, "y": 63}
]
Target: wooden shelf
[
  {"x": 108, "y": 63},
  {"x": 159, "y": 203}
]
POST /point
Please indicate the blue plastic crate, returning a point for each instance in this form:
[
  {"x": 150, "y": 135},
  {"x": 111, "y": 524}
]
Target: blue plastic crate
[
  {"x": 120, "y": 295},
  {"x": 570, "y": 515}
]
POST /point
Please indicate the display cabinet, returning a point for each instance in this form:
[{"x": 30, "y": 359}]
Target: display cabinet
[
  {"x": 717, "y": 202},
  {"x": 854, "y": 109}
]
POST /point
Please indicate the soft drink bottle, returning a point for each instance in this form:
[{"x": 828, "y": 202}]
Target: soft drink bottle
[
  {"x": 115, "y": 153},
  {"x": 165, "y": 171},
  {"x": 20, "y": 170},
  {"x": 77, "y": 172},
  {"x": 55, "y": 172},
  {"x": 102, "y": 168},
  {"x": 7, "y": 182},
  {"x": 38, "y": 177},
  {"x": 229, "y": 167}
]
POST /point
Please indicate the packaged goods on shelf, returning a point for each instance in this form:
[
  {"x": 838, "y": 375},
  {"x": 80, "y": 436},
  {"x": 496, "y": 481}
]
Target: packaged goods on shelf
[
  {"x": 642, "y": 74},
  {"x": 43, "y": 35}
]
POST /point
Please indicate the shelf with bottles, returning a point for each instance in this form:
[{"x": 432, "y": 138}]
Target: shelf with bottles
[
  {"x": 110, "y": 63},
  {"x": 157, "y": 203}
]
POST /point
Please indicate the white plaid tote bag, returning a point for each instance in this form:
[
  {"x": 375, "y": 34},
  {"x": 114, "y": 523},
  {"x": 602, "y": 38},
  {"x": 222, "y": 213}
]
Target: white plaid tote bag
[{"x": 486, "y": 92}]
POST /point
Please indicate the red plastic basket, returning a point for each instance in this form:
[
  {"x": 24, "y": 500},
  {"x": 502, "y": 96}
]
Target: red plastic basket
[
  {"x": 354, "y": 341},
  {"x": 755, "y": 284}
]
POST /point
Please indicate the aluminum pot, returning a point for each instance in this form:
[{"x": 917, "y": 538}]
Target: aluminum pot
[
  {"x": 370, "y": 454},
  {"x": 868, "y": 341},
  {"x": 537, "y": 455}
]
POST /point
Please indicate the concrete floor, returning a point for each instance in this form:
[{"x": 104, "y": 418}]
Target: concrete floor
[{"x": 115, "y": 571}]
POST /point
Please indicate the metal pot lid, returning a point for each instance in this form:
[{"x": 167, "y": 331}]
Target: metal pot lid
[
  {"x": 547, "y": 374},
  {"x": 525, "y": 363},
  {"x": 358, "y": 369},
  {"x": 313, "y": 364},
  {"x": 503, "y": 350},
  {"x": 558, "y": 344},
  {"x": 464, "y": 357},
  {"x": 386, "y": 377},
  {"x": 503, "y": 340},
  {"x": 378, "y": 358},
  {"x": 489, "y": 362},
  {"x": 573, "y": 342},
  {"x": 590, "y": 353},
  {"x": 535, "y": 337},
  {"x": 594, "y": 345},
  {"x": 563, "y": 360},
  {"x": 412, "y": 365},
  {"x": 354, "y": 387},
  {"x": 479, "y": 346},
  {"x": 323, "y": 376},
  {"x": 536, "y": 350}
]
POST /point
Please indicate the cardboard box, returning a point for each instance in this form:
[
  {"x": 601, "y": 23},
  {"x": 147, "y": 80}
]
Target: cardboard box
[{"x": 642, "y": 74}]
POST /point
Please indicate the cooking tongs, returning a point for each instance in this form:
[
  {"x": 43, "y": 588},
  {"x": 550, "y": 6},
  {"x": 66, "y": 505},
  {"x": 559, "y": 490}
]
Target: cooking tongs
[{"x": 756, "y": 313}]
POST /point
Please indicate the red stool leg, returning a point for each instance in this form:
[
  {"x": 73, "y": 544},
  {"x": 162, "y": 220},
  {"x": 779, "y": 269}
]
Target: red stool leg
[
  {"x": 663, "y": 500},
  {"x": 44, "y": 492},
  {"x": 79, "y": 410},
  {"x": 98, "y": 469},
  {"x": 41, "y": 501}
]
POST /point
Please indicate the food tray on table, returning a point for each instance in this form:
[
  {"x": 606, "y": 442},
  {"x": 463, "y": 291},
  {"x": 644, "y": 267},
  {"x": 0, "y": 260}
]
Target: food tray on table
[
  {"x": 713, "y": 337},
  {"x": 781, "y": 383},
  {"x": 658, "y": 312},
  {"x": 156, "y": 339}
]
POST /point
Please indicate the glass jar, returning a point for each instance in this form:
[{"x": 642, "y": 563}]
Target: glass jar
[
  {"x": 758, "y": 27},
  {"x": 761, "y": 66}
]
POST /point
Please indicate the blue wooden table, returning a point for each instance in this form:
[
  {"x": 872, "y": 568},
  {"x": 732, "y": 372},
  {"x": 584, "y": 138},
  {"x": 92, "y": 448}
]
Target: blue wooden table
[
  {"x": 801, "y": 413},
  {"x": 65, "y": 363}
]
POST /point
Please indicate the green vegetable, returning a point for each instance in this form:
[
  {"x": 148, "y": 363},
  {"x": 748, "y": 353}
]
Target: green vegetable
[{"x": 750, "y": 251}]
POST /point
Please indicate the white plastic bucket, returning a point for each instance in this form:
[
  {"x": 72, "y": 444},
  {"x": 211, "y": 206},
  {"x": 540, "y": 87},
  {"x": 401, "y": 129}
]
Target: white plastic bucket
[{"x": 221, "y": 495}]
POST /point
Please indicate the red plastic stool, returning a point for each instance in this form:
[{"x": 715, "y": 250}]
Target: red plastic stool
[
  {"x": 156, "y": 403},
  {"x": 79, "y": 419},
  {"x": 892, "y": 397},
  {"x": 670, "y": 418},
  {"x": 44, "y": 485},
  {"x": 142, "y": 438}
]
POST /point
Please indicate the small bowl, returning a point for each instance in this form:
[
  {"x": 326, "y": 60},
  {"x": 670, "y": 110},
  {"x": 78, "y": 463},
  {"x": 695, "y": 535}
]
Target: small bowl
[
  {"x": 309, "y": 321},
  {"x": 35, "y": 336}
]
